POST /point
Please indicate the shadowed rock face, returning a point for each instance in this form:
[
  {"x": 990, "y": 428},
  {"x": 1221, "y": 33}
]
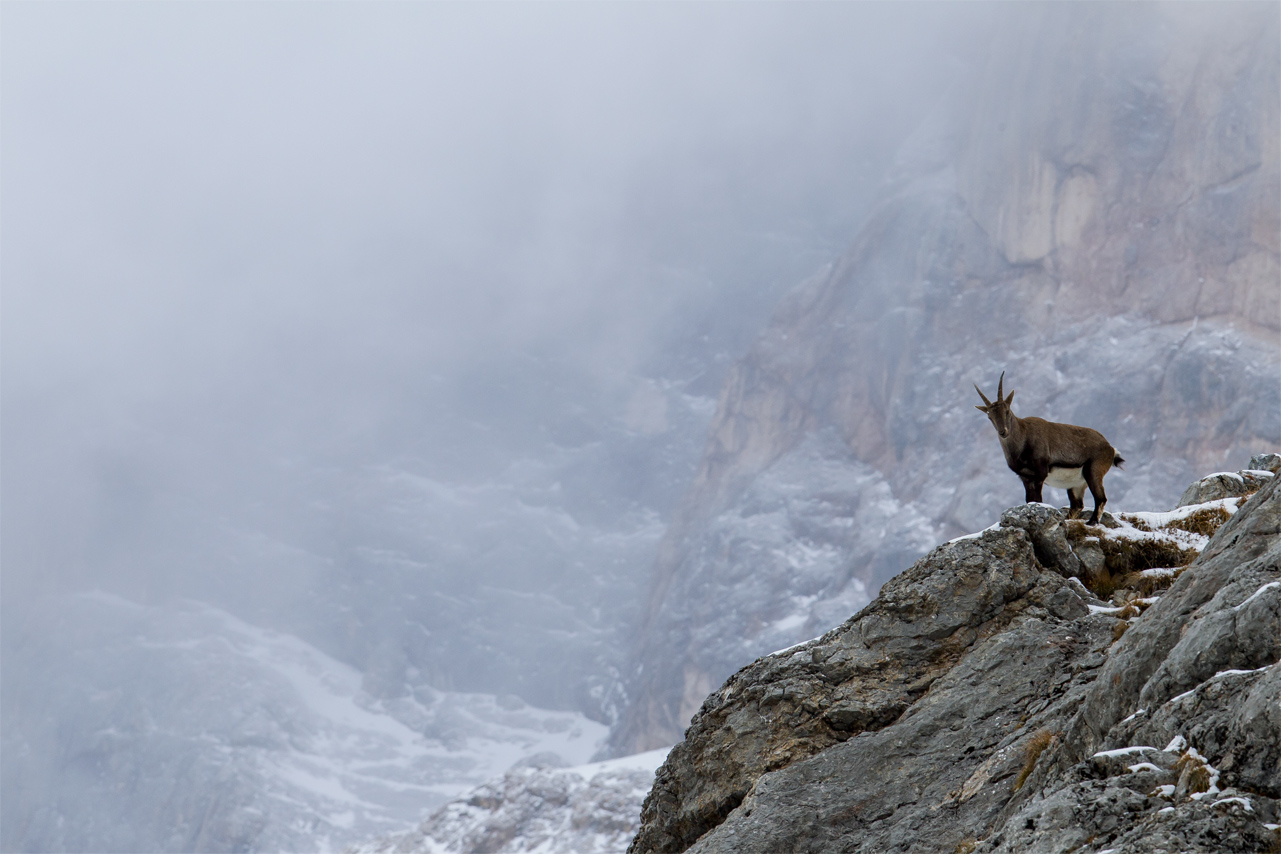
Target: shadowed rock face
[
  {"x": 856, "y": 679},
  {"x": 984, "y": 702},
  {"x": 1095, "y": 211}
]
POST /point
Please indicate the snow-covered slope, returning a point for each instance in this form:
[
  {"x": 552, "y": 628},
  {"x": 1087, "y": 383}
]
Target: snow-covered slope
[
  {"x": 185, "y": 728},
  {"x": 586, "y": 809}
]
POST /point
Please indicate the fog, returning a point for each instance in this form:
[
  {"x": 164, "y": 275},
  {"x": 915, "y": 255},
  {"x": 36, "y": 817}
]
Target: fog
[
  {"x": 245, "y": 239},
  {"x": 356, "y": 358},
  {"x": 397, "y": 327}
]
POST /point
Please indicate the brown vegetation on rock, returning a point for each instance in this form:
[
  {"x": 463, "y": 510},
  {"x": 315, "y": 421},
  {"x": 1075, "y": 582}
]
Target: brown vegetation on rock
[{"x": 1033, "y": 750}]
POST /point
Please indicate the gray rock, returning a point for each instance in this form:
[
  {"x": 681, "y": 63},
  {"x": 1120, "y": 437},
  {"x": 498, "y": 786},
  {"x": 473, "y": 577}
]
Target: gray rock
[
  {"x": 1102, "y": 815},
  {"x": 1265, "y": 462},
  {"x": 1049, "y": 538},
  {"x": 864, "y": 675},
  {"x": 939, "y": 775},
  {"x": 975, "y": 706},
  {"x": 1240, "y": 558},
  {"x": 1225, "y": 485}
]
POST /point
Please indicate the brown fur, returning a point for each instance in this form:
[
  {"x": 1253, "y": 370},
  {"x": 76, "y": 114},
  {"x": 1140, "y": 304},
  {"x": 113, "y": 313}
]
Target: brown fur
[{"x": 1033, "y": 446}]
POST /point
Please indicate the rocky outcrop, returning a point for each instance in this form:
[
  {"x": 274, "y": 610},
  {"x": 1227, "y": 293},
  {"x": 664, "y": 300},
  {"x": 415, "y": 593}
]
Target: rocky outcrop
[
  {"x": 1226, "y": 484},
  {"x": 589, "y": 809},
  {"x": 1094, "y": 210},
  {"x": 859, "y": 678},
  {"x": 1192, "y": 699},
  {"x": 988, "y": 699}
]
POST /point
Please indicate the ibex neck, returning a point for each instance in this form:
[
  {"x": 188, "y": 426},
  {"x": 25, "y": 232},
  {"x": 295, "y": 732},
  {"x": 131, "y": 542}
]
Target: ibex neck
[{"x": 1014, "y": 439}]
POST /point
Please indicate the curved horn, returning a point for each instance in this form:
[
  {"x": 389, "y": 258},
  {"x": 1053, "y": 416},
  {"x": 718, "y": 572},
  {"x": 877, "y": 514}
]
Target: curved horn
[
  {"x": 1000, "y": 386},
  {"x": 982, "y": 395}
]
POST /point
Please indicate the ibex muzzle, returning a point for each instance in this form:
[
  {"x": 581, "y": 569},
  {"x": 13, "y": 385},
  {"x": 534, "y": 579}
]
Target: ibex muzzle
[{"x": 1042, "y": 452}]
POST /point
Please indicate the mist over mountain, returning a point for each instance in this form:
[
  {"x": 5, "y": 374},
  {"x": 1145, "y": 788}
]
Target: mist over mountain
[
  {"x": 395, "y": 330},
  {"x": 518, "y": 371},
  {"x": 1095, "y": 210}
]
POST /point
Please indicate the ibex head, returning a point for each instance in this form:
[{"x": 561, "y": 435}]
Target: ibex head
[{"x": 998, "y": 413}]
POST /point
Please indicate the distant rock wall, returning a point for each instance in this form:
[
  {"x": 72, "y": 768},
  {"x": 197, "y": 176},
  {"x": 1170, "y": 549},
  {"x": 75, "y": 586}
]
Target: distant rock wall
[{"x": 1096, "y": 211}]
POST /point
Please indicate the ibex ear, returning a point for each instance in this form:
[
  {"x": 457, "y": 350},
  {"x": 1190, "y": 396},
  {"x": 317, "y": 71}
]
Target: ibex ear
[
  {"x": 1009, "y": 398},
  {"x": 980, "y": 408}
]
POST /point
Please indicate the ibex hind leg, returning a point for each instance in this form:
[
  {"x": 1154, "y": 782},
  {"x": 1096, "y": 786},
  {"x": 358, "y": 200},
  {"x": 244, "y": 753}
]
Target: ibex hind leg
[
  {"x": 1076, "y": 502},
  {"x": 1094, "y": 480}
]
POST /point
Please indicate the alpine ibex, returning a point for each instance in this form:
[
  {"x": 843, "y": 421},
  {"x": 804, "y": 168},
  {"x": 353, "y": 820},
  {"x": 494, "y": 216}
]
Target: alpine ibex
[{"x": 1042, "y": 452}]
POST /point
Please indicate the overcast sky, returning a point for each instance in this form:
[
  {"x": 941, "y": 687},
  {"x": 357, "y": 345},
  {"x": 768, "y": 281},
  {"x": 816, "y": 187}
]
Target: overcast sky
[{"x": 231, "y": 231}]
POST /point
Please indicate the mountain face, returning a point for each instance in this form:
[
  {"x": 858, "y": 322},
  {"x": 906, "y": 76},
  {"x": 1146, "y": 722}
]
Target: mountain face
[
  {"x": 988, "y": 700},
  {"x": 183, "y": 728},
  {"x": 588, "y": 809},
  {"x": 1095, "y": 211}
]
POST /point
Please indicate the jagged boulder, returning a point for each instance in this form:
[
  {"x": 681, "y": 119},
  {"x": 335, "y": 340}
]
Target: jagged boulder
[
  {"x": 1045, "y": 526},
  {"x": 1227, "y": 484},
  {"x": 987, "y": 702},
  {"x": 1265, "y": 462}
]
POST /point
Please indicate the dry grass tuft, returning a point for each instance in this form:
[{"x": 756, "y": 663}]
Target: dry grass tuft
[
  {"x": 1075, "y": 530},
  {"x": 1205, "y": 521},
  {"x": 1119, "y": 629},
  {"x": 967, "y": 846},
  {"x": 1125, "y": 556},
  {"x": 1102, "y": 584},
  {"x": 1199, "y": 779},
  {"x": 1150, "y": 585},
  {"x": 1125, "y": 559},
  {"x": 1035, "y": 747},
  {"x": 1136, "y": 522},
  {"x": 1194, "y": 769}
]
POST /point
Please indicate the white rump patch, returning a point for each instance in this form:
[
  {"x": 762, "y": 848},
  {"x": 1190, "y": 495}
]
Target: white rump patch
[{"x": 1061, "y": 478}]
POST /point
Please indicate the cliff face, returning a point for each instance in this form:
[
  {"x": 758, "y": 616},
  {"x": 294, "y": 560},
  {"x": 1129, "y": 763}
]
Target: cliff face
[
  {"x": 989, "y": 701},
  {"x": 1095, "y": 211}
]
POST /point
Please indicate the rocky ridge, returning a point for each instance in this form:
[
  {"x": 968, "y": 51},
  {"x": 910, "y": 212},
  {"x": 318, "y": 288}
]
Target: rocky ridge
[
  {"x": 1093, "y": 209},
  {"x": 1039, "y": 686}
]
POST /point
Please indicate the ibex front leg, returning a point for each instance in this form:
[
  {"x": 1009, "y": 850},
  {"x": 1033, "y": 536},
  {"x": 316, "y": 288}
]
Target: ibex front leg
[{"x": 1032, "y": 489}]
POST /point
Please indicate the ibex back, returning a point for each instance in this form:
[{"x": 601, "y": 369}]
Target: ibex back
[{"x": 1042, "y": 452}]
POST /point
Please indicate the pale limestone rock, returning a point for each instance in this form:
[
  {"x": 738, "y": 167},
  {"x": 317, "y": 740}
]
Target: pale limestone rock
[{"x": 1078, "y": 199}]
